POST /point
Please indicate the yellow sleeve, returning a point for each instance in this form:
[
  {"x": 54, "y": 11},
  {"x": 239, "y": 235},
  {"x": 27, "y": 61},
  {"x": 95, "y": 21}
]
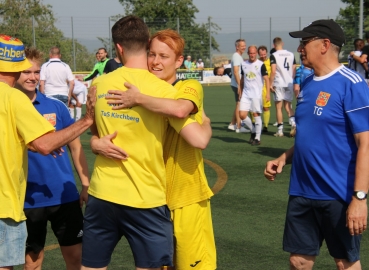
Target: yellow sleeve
[
  {"x": 30, "y": 123},
  {"x": 191, "y": 90},
  {"x": 178, "y": 124}
]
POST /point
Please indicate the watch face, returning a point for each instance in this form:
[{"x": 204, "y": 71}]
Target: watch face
[{"x": 360, "y": 195}]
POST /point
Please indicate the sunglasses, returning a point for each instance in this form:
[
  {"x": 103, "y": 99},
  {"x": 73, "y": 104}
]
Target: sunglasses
[{"x": 304, "y": 42}]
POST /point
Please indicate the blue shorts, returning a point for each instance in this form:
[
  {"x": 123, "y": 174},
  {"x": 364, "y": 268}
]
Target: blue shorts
[
  {"x": 62, "y": 98},
  {"x": 309, "y": 222},
  {"x": 235, "y": 92},
  {"x": 149, "y": 233},
  {"x": 12, "y": 242}
]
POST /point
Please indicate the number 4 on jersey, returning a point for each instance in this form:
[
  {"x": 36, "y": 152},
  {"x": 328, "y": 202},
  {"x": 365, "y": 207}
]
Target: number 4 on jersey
[{"x": 286, "y": 65}]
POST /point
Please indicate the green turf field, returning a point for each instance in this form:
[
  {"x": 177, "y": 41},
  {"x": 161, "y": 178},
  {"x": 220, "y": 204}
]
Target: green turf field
[{"x": 248, "y": 212}]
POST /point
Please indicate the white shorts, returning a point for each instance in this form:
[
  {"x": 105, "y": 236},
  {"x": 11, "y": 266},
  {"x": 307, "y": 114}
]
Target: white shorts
[
  {"x": 251, "y": 105},
  {"x": 283, "y": 93},
  {"x": 81, "y": 97}
]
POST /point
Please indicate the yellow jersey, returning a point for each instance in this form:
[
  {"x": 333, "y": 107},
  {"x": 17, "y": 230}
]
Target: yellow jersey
[
  {"x": 20, "y": 125},
  {"x": 268, "y": 68},
  {"x": 186, "y": 179}
]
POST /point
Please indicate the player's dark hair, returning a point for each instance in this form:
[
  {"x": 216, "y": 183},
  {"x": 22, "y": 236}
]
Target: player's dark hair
[
  {"x": 277, "y": 41},
  {"x": 131, "y": 33},
  {"x": 263, "y": 48},
  {"x": 357, "y": 40}
]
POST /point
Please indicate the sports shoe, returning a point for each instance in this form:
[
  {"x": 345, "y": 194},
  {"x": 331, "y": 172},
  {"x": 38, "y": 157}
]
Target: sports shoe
[
  {"x": 293, "y": 131},
  {"x": 232, "y": 127},
  {"x": 278, "y": 134},
  {"x": 275, "y": 124},
  {"x": 255, "y": 142},
  {"x": 265, "y": 129},
  {"x": 252, "y": 138},
  {"x": 242, "y": 130}
]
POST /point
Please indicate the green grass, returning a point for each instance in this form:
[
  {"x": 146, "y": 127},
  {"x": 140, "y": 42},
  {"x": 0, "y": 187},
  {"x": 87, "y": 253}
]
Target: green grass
[{"x": 248, "y": 213}]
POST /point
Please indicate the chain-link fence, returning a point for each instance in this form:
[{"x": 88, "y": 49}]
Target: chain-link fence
[{"x": 94, "y": 32}]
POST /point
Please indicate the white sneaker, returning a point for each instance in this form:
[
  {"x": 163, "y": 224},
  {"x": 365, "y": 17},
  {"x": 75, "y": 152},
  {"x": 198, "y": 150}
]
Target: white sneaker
[
  {"x": 232, "y": 127},
  {"x": 278, "y": 134},
  {"x": 293, "y": 131},
  {"x": 275, "y": 124},
  {"x": 242, "y": 130}
]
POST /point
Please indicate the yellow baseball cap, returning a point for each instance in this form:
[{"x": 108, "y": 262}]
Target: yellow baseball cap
[{"x": 12, "y": 56}]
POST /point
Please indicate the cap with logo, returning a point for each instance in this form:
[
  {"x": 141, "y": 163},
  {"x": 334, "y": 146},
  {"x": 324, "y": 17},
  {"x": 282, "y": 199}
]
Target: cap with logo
[
  {"x": 324, "y": 29},
  {"x": 12, "y": 56}
]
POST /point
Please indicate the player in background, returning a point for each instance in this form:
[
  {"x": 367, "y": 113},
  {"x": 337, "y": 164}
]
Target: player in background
[
  {"x": 254, "y": 74},
  {"x": 283, "y": 67},
  {"x": 263, "y": 56},
  {"x": 236, "y": 61}
]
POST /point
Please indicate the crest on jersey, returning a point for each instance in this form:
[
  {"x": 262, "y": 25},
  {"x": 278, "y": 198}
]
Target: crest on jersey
[
  {"x": 51, "y": 117},
  {"x": 322, "y": 99},
  {"x": 251, "y": 75}
]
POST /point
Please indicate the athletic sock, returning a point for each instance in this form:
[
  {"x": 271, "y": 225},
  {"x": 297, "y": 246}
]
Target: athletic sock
[
  {"x": 258, "y": 125},
  {"x": 248, "y": 123},
  {"x": 266, "y": 118},
  {"x": 71, "y": 112},
  {"x": 78, "y": 113},
  {"x": 292, "y": 120},
  {"x": 280, "y": 127}
]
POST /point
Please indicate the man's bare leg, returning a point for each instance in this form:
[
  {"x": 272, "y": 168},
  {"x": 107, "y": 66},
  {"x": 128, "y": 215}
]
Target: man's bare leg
[
  {"x": 34, "y": 260},
  {"x": 346, "y": 265},
  {"x": 72, "y": 256},
  {"x": 301, "y": 262}
]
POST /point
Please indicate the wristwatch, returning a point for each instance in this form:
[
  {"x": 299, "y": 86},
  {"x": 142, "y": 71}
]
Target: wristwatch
[{"x": 360, "y": 195}]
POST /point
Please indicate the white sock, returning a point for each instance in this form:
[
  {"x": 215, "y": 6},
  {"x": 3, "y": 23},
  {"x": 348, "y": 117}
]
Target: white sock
[
  {"x": 258, "y": 125},
  {"x": 71, "y": 112},
  {"x": 292, "y": 119},
  {"x": 280, "y": 128},
  {"x": 78, "y": 113},
  {"x": 248, "y": 123}
]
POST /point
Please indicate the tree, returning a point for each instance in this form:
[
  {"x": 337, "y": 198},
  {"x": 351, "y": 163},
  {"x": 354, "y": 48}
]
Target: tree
[
  {"x": 30, "y": 20},
  {"x": 177, "y": 15},
  {"x": 348, "y": 20}
]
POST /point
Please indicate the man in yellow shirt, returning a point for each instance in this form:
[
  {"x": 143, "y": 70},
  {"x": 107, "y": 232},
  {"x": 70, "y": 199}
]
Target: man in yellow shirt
[
  {"x": 22, "y": 127},
  {"x": 127, "y": 197},
  {"x": 263, "y": 56},
  {"x": 187, "y": 189}
]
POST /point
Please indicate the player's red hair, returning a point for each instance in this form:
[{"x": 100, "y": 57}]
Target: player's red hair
[{"x": 172, "y": 38}]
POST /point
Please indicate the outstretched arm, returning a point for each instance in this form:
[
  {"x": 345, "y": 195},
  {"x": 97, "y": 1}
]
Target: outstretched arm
[
  {"x": 51, "y": 141},
  {"x": 80, "y": 164},
  {"x": 179, "y": 108}
]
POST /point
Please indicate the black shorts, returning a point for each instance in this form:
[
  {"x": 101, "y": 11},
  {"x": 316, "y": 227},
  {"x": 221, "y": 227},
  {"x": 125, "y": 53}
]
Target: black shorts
[
  {"x": 149, "y": 233},
  {"x": 66, "y": 222},
  {"x": 309, "y": 222}
]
